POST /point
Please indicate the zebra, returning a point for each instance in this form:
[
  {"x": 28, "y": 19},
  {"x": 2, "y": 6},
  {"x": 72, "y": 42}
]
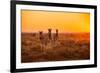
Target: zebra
[{"x": 43, "y": 41}]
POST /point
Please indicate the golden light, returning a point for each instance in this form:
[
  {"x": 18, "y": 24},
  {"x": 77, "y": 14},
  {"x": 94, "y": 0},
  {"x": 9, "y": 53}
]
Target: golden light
[{"x": 34, "y": 21}]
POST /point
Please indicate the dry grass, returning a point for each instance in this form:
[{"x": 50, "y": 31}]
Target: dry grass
[{"x": 70, "y": 46}]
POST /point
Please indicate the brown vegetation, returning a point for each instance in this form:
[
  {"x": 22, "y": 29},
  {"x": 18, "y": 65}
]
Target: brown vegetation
[{"x": 69, "y": 46}]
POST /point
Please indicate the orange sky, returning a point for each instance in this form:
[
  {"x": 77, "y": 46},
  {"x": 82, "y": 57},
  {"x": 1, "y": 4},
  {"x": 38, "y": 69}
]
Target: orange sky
[{"x": 34, "y": 21}]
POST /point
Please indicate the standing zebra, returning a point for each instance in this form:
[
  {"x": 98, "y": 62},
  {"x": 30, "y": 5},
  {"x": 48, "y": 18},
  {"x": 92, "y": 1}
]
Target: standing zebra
[
  {"x": 42, "y": 41},
  {"x": 49, "y": 34},
  {"x": 55, "y": 38}
]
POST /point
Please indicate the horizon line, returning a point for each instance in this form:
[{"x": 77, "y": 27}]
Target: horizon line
[{"x": 55, "y": 32}]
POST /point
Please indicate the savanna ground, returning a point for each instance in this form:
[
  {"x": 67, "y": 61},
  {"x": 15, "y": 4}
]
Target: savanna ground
[{"x": 69, "y": 46}]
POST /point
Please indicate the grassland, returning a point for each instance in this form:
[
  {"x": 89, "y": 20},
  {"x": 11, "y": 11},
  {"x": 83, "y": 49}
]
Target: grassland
[{"x": 69, "y": 46}]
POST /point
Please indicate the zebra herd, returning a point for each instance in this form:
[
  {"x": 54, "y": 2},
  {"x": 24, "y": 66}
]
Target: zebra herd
[{"x": 49, "y": 39}]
